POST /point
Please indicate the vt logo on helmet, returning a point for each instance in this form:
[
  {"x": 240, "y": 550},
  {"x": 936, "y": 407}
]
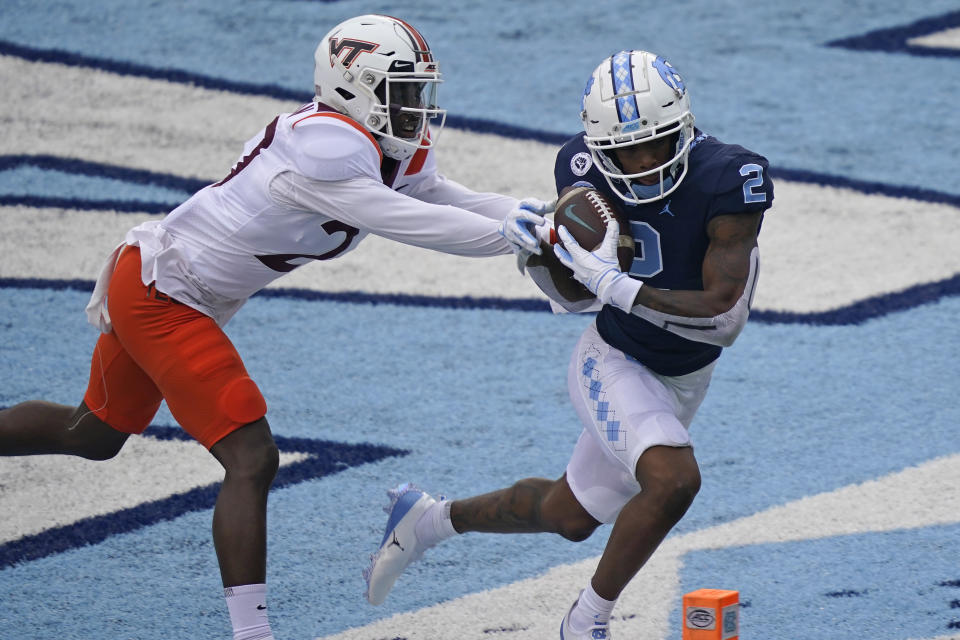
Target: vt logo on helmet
[
  {"x": 380, "y": 71},
  {"x": 638, "y": 125},
  {"x": 351, "y": 49}
]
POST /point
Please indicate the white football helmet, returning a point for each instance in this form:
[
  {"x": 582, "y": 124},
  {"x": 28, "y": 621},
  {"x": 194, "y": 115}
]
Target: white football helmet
[
  {"x": 379, "y": 71},
  {"x": 631, "y": 98}
]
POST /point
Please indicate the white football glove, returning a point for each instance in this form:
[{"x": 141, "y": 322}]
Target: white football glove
[
  {"x": 543, "y": 207},
  {"x": 599, "y": 270},
  {"x": 524, "y": 227}
]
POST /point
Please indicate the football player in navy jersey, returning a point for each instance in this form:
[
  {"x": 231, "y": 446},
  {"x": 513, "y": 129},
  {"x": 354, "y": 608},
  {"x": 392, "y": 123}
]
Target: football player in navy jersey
[{"x": 641, "y": 370}]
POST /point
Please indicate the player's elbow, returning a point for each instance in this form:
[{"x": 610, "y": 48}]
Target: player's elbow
[
  {"x": 730, "y": 320},
  {"x": 727, "y": 339},
  {"x": 730, "y": 324},
  {"x": 723, "y": 301}
]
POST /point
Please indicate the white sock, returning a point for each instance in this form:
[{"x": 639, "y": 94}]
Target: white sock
[
  {"x": 248, "y": 612},
  {"x": 590, "y": 609},
  {"x": 434, "y": 525}
]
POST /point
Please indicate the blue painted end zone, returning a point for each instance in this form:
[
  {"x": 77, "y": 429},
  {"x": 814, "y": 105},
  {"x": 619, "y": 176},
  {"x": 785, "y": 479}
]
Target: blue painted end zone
[
  {"x": 839, "y": 588},
  {"x": 472, "y": 391},
  {"x": 794, "y": 410}
]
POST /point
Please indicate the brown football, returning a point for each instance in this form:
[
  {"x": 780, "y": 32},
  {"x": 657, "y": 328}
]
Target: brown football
[{"x": 586, "y": 212}]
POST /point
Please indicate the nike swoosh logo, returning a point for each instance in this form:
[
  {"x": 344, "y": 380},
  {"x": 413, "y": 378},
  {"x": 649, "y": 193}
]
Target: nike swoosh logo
[{"x": 568, "y": 211}]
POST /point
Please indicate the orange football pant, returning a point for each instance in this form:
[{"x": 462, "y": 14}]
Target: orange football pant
[{"x": 160, "y": 349}]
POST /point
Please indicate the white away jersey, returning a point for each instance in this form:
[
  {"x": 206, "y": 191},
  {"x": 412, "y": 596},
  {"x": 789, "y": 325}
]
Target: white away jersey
[{"x": 308, "y": 187}]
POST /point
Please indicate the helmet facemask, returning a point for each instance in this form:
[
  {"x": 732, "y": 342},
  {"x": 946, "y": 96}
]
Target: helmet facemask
[
  {"x": 630, "y": 186},
  {"x": 404, "y": 112}
]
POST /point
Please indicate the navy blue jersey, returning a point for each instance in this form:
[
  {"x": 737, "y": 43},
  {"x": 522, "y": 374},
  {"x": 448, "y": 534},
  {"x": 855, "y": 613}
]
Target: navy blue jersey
[{"x": 671, "y": 239}]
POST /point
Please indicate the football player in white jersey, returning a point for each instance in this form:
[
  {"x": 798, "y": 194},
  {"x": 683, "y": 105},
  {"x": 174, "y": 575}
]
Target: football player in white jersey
[{"x": 309, "y": 186}]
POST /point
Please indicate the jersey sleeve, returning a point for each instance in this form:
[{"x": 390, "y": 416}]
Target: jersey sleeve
[
  {"x": 438, "y": 189},
  {"x": 574, "y": 166},
  {"x": 743, "y": 186},
  {"x": 368, "y": 204}
]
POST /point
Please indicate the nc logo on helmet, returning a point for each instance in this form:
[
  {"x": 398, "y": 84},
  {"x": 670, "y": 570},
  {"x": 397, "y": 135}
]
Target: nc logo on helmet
[
  {"x": 586, "y": 92},
  {"x": 670, "y": 75},
  {"x": 353, "y": 48}
]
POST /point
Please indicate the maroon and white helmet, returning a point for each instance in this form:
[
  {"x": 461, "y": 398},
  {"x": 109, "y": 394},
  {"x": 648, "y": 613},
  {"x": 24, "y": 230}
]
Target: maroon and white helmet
[{"x": 380, "y": 71}]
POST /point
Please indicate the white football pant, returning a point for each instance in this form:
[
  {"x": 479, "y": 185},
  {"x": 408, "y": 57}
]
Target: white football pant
[{"x": 625, "y": 408}]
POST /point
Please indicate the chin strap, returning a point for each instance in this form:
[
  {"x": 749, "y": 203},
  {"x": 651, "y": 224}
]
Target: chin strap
[
  {"x": 396, "y": 150},
  {"x": 645, "y": 191}
]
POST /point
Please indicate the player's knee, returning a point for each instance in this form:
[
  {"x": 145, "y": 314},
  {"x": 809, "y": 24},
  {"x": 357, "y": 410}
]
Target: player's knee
[
  {"x": 670, "y": 479},
  {"x": 566, "y": 515},
  {"x": 675, "y": 494},
  {"x": 577, "y": 529},
  {"x": 258, "y": 463},
  {"x": 86, "y": 436},
  {"x": 261, "y": 464},
  {"x": 249, "y": 455},
  {"x": 99, "y": 450},
  {"x": 270, "y": 462}
]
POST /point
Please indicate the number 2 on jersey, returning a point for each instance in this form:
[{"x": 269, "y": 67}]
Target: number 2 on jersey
[{"x": 749, "y": 195}]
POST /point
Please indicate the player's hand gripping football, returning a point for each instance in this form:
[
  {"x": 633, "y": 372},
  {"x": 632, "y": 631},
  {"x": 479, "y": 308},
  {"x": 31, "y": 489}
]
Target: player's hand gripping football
[
  {"x": 599, "y": 270},
  {"x": 524, "y": 227}
]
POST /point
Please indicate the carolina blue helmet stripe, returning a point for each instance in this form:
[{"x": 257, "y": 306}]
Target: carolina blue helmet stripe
[{"x": 623, "y": 83}]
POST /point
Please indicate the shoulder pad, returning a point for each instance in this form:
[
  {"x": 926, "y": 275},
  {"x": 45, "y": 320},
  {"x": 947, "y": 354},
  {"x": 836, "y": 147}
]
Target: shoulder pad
[
  {"x": 329, "y": 146},
  {"x": 735, "y": 179}
]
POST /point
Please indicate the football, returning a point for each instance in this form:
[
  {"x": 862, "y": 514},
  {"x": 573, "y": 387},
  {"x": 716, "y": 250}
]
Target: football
[{"x": 586, "y": 212}]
